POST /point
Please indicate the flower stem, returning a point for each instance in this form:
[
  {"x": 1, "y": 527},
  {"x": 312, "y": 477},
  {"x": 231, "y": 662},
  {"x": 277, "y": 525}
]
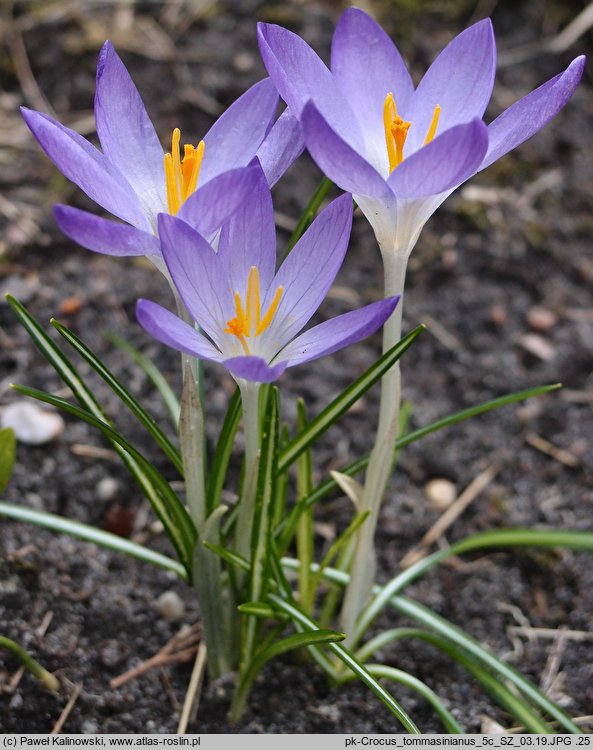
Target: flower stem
[
  {"x": 381, "y": 460},
  {"x": 206, "y": 565},
  {"x": 250, "y": 399}
]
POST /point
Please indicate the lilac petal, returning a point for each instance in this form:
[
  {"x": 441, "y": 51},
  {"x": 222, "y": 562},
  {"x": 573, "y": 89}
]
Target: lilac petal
[
  {"x": 308, "y": 272},
  {"x": 300, "y": 75},
  {"x": 103, "y": 235},
  {"x": 341, "y": 163},
  {"x": 282, "y": 146},
  {"x": 87, "y": 167},
  {"x": 249, "y": 239},
  {"x": 443, "y": 164},
  {"x": 524, "y": 118},
  {"x": 238, "y": 133},
  {"x": 254, "y": 368},
  {"x": 174, "y": 332},
  {"x": 339, "y": 332},
  {"x": 216, "y": 201},
  {"x": 367, "y": 66},
  {"x": 460, "y": 80},
  {"x": 127, "y": 135},
  {"x": 195, "y": 270}
]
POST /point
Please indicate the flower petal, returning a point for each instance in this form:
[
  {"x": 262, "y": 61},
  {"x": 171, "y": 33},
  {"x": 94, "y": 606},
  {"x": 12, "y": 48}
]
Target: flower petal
[
  {"x": 335, "y": 334},
  {"x": 283, "y": 145},
  {"x": 254, "y": 368},
  {"x": 87, "y": 167},
  {"x": 195, "y": 270},
  {"x": 525, "y": 117},
  {"x": 216, "y": 201},
  {"x": 340, "y": 162},
  {"x": 460, "y": 80},
  {"x": 300, "y": 75},
  {"x": 103, "y": 235},
  {"x": 174, "y": 332},
  {"x": 238, "y": 133},
  {"x": 308, "y": 272},
  {"x": 127, "y": 135},
  {"x": 367, "y": 66},
  {"x": 248, "y": 238},
  {"x": 443, "y": 164}
]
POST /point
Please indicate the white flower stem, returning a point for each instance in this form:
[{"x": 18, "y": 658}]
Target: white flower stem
[
  {"x": 206, "y": 565},
  {"x": 250, "y": 400},
  {"x": 363, "y": 566}
]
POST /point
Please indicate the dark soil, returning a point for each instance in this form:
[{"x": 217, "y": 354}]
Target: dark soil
[{"x": 516, "y": 238}]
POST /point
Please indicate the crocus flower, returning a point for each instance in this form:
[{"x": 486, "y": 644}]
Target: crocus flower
[
  {"x": 248, "y": 314},
  {"x": 135, "y": 181},
  {"x": 399, "y": 150}
]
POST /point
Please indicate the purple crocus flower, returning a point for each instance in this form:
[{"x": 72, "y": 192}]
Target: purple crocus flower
[
  {"x": 250, "y": 315},
  {"x": 135, "y": 181},
  {"x": 399, "y": 150}
]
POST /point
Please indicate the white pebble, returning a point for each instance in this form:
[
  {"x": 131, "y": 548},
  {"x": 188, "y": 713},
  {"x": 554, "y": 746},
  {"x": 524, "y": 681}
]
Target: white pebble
[
  {"x": 440, "y": 493},
  {"x": 170, "y": 606},
  {"x": 107, "y": 489},
  {"x": 31, "y": 424}
]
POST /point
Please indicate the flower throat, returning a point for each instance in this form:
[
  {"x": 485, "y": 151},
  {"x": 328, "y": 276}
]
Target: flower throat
[{"x": 396, "y": 131}]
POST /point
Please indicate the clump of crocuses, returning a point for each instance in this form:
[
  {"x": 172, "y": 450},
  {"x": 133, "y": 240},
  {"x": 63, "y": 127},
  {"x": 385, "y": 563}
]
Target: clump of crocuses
[{"x": 204, "y": 214}]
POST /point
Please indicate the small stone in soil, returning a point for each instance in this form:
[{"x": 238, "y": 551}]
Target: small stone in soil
[
  {"x": 32, "y": 425},
  {"x": 440, "y": 493},
  {"x": 170, "y": 606},
  {"x": 107, "y": 489}
]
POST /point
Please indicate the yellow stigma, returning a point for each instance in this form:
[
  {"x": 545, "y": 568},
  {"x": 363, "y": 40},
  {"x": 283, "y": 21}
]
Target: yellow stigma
[
  {"x": 248, "y": 321},
  {"x": 181, "y": 175},
  {"x": 396, "y": 131}
]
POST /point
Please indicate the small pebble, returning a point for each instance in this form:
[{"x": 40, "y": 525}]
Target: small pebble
[
  {"x": 541, "y": 319},
  {"x": 70, "y": 305},
  {"x": 112, "y": 653},
  {"x": 107, "y": 489},
  {"x": 440, "y": 493},
  {"x": 31, "y": 424},
  {"x": 243, "y": 62},
  {"x": 537, "y": 346},
  {"x": 498, "y": 315},
  {"x": 170, "y": 606}
]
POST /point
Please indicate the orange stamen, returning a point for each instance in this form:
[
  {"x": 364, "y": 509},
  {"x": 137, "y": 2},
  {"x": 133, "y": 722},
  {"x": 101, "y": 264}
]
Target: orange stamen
[
  {"x": 248, "y": 321},
  {"x": 181, "y": 175}
]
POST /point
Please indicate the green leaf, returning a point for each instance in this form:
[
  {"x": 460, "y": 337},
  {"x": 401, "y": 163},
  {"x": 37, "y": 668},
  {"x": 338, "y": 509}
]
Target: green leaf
[
  {"x": 455, "y": 635},
  {"x": 349, "y": 660},
  {"x": 345, "y": 400},
  {"x": 7, "y": 456},
  {"x": 123, "y": 394},
  {"x": 304, "y": 538},
  {"x": 153, "y": 373},
  {"x": 49, "y": 680},
  {"x": 223, "y": 451},
  {"x": 498, "y": 538},
  {"x": 285, "y": 530},
  {"x": 91, "y": 534},
  {"x": 163, "y": 499},
  {"x": 229, "y": 556},
  {"x": 258, "y": 609}
]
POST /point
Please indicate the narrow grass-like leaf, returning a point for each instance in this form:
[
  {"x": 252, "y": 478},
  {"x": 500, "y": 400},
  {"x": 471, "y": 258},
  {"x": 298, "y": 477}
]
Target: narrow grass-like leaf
[
  {"x": 455, "y": 635},
  {"x": 49, "y": 680},
  {"x": 498, "y": 538},
  {"x": 123, "y": 394},
  {"x": 152, "y": 372},
  {"x": 519, "y": 708},
  {"x": 285, "y": 530},
  {"x": 309, "y": 213},
  {"x": 222, "y": 454},
  {"x": 7, "y": 455},
  {"x": 88, "y": 533},
  {"x": 163, "y": 499},
  {"x": 257, "y": 609},
  {"x": 452, "y": 633},
  {"x": 348, "y": 659},
  {"x": 345, "y": 400},
  {"x": 229, "y": 556},
  {"x": 450, "y": 724}
]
